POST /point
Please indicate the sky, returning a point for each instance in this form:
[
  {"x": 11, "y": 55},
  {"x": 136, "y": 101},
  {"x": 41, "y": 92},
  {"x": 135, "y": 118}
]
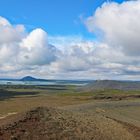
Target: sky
[
  {"x": 57, "y": 17},
  {"x": 75, "y": 39}
]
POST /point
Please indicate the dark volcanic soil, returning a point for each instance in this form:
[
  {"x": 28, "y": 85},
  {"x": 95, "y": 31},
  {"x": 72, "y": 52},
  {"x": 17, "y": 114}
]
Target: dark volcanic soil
[{"x": 45, "y": 123}]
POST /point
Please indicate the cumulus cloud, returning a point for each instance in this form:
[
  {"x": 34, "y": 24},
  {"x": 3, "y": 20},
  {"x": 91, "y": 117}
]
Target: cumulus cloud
[
  {"x": 20, "y": 50},
  {"x": 35, "y": 49},
  {"x": 114, "y": 55},
  {"x": 118, "y": 25},
  {"x": 10, "y": 33}
]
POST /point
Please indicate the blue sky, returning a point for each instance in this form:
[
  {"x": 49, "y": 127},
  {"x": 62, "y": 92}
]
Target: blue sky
[
  {"x": 71, "y": 39},
  {"x": 57, "y": 17}
]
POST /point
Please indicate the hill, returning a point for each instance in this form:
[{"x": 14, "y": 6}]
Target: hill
[
  {"x": 45, "y": 123},
  {"x": 29, "y": 78},
  {"x": 112, "y": 84}
]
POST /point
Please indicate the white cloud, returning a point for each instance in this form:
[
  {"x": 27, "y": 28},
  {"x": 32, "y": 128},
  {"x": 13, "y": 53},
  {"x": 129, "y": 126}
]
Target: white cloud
[
  {"x": 4, "y": 22},
  {"x": 114, "y": 56},
  {"x": 118, "y": 25},
  {"x": 18, "y": 47},
  {"x": 21, "y": 51},
  {"x": 9, "y": 33},
  {"x": 35, "y": 49}
]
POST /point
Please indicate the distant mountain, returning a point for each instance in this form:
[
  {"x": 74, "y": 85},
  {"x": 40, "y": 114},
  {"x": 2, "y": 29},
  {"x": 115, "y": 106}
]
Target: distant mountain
[
  {"x": 29, "y": 78},
  {"x": 112, "y": 84}
]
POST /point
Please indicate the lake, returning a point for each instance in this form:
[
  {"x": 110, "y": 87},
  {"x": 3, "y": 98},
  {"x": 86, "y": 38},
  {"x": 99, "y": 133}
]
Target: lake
[{"x": 47, "y": 82}]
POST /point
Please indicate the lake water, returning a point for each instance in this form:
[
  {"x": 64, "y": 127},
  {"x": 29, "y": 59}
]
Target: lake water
[{"x": 48, "y": 82}]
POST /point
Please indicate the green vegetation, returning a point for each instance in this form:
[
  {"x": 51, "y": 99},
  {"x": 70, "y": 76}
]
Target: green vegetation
[
  {"x": 12, "y": 91},
  {"x": 16, "y": 98},
  {"x": 100, "y": 93}
]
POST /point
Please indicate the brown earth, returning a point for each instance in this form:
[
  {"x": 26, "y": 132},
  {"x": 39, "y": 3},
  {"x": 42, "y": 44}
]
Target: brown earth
[{"x": 45, "y": 123}]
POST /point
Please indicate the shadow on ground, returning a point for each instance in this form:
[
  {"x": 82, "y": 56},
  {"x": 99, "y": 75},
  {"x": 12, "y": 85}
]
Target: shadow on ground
[{"x": 5, "y": 94}]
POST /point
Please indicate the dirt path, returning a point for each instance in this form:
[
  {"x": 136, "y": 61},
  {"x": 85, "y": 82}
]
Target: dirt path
[{"x": 7, "y": 115}]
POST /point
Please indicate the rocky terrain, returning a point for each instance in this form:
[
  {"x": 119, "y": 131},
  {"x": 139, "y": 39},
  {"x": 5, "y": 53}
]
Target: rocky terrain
[{"x": 45, "y": 123}]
